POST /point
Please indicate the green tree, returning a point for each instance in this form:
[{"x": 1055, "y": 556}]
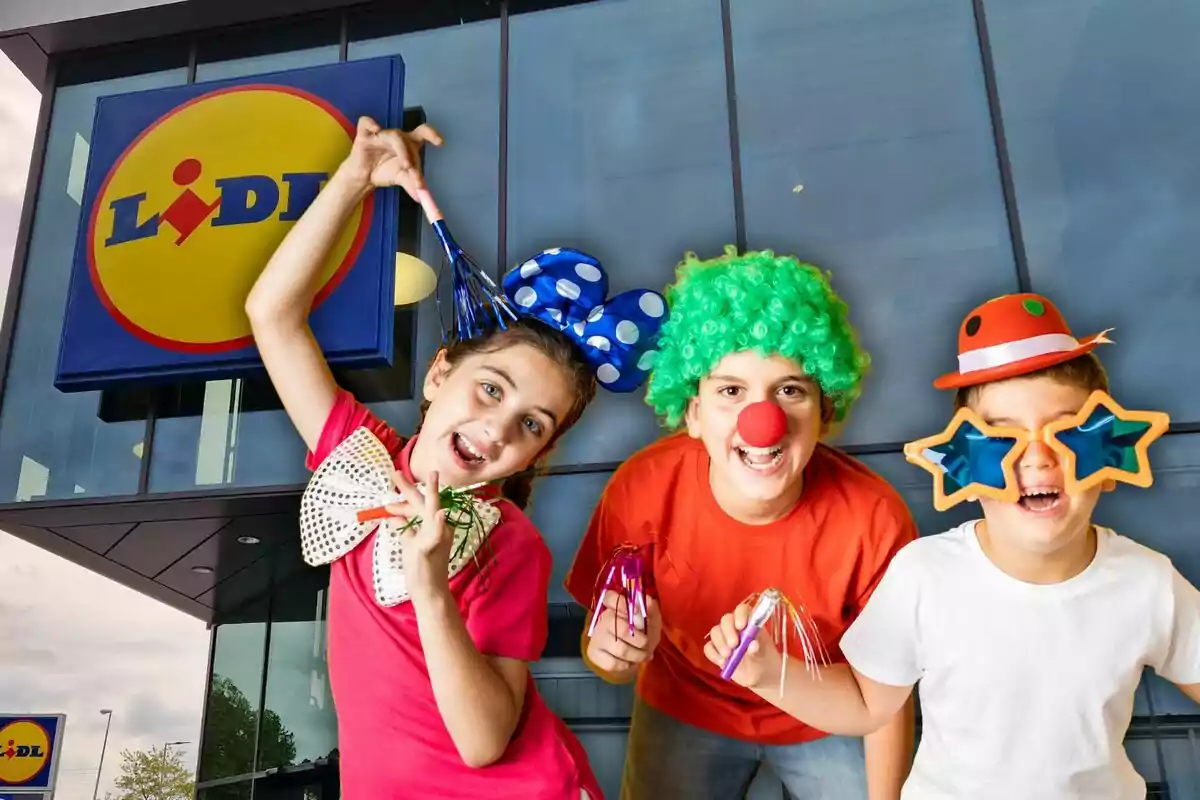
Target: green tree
[
  {"x": 153, "y": 775},
  {"x": 230, "y": 731}
]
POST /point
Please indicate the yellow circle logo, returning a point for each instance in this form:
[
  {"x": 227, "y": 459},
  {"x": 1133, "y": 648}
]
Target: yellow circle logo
[
  {"x": 191, "y": 212},
  {"x": 24, "y": 750}
]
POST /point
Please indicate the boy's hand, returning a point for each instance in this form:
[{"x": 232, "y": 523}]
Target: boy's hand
[
  {"x": 388, "y": 157},
  {"x": 762, "y": 664},
  {"x": 426, "y": 547},
  {"x": 612, "y": 648}
]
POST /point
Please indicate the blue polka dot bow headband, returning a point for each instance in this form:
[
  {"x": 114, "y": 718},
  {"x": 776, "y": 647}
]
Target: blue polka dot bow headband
[{"x": 566, "y": 289}]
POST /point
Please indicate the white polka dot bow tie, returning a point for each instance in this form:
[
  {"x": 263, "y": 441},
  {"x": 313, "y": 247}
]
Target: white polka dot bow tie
[
  {"x": 340, "y": 508},
  {"x": 566, "y": 289}
]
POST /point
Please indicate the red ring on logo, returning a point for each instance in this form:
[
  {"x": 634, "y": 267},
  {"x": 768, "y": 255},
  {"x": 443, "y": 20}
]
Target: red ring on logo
[{"x": 360, "y": 235}]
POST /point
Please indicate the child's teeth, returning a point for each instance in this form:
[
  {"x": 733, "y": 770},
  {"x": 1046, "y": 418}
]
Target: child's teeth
[
  {"x": 760, "y": 457},
  {"x": 466, "y": 445}
]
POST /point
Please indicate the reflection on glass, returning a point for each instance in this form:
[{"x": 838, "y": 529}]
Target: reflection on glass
[
  {"x": 916, "y": 487},
  {"x": 1163, "y": 517},
  {"x": 1099, "y": 114},
  {"x": 55, "y": 444},
  {"x": 234, "y": 698},
  {"x": 304, "y": 726},
  {"x": 878, "y": 110},
  {"x": 229, "y": 432},
  {"x": 231, "y": 791},
  {"x": 283, "y": 46},
  {"x": 619, "y": 146},
  {"x": 452, "y": 74},
  {"x": 561, "y": 507},
  {"x": 234, "y": 432}
]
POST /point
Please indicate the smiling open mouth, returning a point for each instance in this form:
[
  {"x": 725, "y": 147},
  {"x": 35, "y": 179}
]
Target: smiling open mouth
[
  {"x": 760, "y": 458},
  {"x": 466, "y": 451},
  {"x": 1040, "y": 499}
]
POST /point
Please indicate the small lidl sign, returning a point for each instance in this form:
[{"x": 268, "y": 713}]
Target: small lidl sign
[
  {"x": 29, "y": 752},
  {"x": 188, "y": 192}
]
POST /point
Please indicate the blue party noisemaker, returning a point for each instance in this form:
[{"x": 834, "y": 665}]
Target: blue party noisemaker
[{"x": 478, "y": 303}]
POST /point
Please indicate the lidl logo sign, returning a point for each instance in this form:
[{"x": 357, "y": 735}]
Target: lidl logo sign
[
  {"x": 26, "y": 749},
  {"x": 182, "y": 214},
  {"x": 190, "y": 190},
  {"x": 29, "y": 751}
]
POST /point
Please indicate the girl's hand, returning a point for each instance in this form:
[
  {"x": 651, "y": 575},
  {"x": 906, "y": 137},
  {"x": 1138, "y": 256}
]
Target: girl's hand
[
  {"x": 426, "y": 546},
  {"x": 762, "y": 664},
  {"x": 388, "y": 157}
]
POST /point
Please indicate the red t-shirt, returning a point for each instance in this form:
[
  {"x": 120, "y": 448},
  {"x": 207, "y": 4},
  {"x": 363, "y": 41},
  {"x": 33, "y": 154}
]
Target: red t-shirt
[
  {"x": 828, "y": 554},
  {"x": 392, "y": 740}
]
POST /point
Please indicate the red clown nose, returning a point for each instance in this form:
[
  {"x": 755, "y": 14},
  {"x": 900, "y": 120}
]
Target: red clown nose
[{"x": 762, "y": 424}]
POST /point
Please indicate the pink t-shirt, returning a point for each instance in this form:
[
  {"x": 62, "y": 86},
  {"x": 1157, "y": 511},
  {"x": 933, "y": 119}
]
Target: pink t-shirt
[{"x": 392, "y": 740}]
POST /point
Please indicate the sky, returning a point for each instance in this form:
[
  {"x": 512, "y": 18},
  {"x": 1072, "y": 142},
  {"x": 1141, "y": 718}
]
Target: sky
[{"x": 73, "y": 642}]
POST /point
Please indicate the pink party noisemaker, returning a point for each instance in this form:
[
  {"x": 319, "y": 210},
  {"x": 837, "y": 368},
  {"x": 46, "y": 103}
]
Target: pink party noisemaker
[{"x": 623, "y": 573}]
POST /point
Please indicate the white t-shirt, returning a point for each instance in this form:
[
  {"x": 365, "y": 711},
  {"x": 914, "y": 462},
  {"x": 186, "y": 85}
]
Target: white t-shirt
[{"x": 1026, "y": 690}]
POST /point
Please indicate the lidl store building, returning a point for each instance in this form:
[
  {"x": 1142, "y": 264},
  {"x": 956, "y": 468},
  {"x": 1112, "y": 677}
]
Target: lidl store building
[{"x": 929, "y": 153}]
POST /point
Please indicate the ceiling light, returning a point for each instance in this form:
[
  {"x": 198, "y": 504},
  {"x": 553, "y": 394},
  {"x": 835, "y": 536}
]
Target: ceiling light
[
  {"x": 248, "y": 540},
  {"x": 200, "y": 569}
]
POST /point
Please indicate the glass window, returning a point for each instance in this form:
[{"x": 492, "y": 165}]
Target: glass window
[
  {"x": 452, "y": 77},
  {"x": 1101, "y": 125},
  {"x": 1181, "y": 761},
  {"x": 561, "y": 507},
  {"x": 299, "y": 723},
  {"x": 53, "y": 444},
  {"x": 606, "y": 754},
  {"x": 618, "y": 145},
  {"x": 235, "y": 695},
  {"x": 573, "y": 692},
  {"x": 291, "y": 788},
  {"x": 916, "y": 487},
  {"x": 229, "y": 791},
  {"x": 230, "y": 432},
  {"x": 867, "y": 149},
  {"x": 234, "y": 432},
  {"x": 1163, "y": 517},
  {"x": 1144, "y": 755},
  {"x": 280, "y": 46}
]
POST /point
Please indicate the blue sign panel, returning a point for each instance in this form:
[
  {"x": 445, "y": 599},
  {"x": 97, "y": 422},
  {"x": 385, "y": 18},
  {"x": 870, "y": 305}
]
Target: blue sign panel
[{"x": 190, "y": 189}]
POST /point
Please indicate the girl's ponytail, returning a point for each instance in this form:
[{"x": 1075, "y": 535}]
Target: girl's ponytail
[{"x": 517, "y": 488}]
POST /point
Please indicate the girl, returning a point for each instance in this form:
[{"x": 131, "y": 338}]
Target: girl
[{"x": 434, "y": 693}]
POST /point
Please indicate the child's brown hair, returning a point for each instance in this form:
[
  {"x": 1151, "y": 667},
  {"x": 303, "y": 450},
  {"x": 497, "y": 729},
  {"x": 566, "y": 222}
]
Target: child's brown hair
[{"x": 1086, "y": 372}]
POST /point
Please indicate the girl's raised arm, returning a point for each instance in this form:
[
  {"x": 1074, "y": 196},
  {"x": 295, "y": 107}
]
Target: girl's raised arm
[{"x": 279, "y": 304}]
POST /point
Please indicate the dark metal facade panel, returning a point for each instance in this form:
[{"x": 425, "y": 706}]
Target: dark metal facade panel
[
  {"x": 97, "y": 538},
  {"x": 150, "y": 508},
  {"x": 152, "y": 547}
]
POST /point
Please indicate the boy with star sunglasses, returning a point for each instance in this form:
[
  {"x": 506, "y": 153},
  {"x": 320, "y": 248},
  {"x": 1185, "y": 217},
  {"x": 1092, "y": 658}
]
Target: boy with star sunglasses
[{"x": 1028, "y": 630}]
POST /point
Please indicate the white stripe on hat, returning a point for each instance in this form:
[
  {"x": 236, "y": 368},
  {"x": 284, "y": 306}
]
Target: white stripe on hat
[{"x": 1010, "y": 352}]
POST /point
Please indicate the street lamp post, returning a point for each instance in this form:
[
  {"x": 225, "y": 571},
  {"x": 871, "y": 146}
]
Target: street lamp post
[{"x": 108, "y": 713}]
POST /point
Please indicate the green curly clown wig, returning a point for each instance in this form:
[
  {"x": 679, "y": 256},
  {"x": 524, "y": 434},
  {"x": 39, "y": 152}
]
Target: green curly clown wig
[{"x": 756, "y": 301}]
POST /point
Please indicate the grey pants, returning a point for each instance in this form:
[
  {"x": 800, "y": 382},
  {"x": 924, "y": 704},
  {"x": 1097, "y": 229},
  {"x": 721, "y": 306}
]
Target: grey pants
[{"x": 667, "y": 759}]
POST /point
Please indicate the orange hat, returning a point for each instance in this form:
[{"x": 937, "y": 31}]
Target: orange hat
[{"x": 1012, "y": 335}]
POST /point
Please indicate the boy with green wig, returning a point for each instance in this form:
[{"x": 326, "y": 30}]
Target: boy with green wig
[{"x": 756, "y": 363}]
